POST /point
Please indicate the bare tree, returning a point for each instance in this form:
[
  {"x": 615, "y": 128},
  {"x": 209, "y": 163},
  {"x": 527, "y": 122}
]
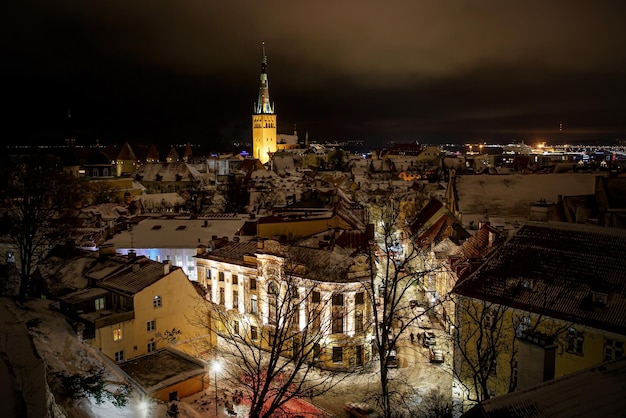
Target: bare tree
[
  {"x": 402, "y": 265},
  {"x": 38, "y": 205},
  {"x": 488, "y": 330},
  {"x": 102, "y": 192},
  {"x": 273, "y": 350}
]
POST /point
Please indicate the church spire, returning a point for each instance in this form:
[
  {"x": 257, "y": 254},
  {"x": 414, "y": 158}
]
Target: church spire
[{"x": 263, "y": 103}]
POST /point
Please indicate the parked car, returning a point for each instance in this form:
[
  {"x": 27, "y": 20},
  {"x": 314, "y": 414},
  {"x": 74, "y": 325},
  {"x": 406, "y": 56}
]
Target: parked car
[
  {"x": 428, "y": 338},
  {"x": 436, "y": 355}
]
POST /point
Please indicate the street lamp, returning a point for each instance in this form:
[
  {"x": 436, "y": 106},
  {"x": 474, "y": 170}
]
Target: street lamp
[{"x": 216, "y": 367}]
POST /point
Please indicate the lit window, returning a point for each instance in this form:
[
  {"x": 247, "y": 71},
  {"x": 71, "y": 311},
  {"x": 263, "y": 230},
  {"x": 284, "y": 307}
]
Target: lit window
[
  {"x": 575, "y": 340},
  {"x": 272, "y": 293},
  {"x": 157, "y": 302},
  {"x": 151, "y": 325},
  {"x": 119, "y": 356},
  {"x": 99, "y": 304},
  {"x": 488, "y": 320},
  {"x": 613, "y": 349},
  {"x": 151, "y": 346},
  {"x": 358, "y": 321},
  {"x": 254, "y": 305},
  {"x": 117, "y": 333},
  {"x": 523, "y": 326}
]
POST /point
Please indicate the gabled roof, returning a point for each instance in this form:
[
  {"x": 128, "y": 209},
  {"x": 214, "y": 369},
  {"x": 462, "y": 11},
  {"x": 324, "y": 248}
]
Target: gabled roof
[
  {"x": 134, "y": 280},
  {"x": 481, "y": 243},
  {"x": 555, "y": 269},
  {"x": 172, "y": 155},
  {"x": 248, "y": 165},
  {"x": 152, "y": 155},
  {"x": 126, "y": 153},
  {"x": 168, "y": 172},
  {"x": 232, "y": 252},
  {"x": 596, "y": 391},
  {"x": 427, "y": 215},
  {"x": 475, "y": 249},
  {"x": 445, "y": 227}
]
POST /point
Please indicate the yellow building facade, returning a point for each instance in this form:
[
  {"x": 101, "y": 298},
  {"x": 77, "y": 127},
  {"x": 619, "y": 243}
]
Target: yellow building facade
[
  {"x": 546, "y": 303},
  {"x": 529, "y": 348},
  {"x": 166, "y": 312}
]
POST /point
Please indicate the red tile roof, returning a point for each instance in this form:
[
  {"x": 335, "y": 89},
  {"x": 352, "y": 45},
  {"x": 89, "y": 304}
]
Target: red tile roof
[{"x": 553, "y": 269}]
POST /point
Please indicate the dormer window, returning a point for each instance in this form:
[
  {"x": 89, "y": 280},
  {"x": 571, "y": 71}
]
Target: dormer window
[{"x": 599, "y": 298}]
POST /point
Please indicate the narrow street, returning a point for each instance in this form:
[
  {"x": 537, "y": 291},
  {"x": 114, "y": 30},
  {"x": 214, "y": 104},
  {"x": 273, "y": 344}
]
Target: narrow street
[{"x": 415, "y": 373}]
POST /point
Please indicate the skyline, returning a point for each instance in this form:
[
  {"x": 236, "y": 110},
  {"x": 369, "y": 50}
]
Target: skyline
[{"x": 403, "y": 71}]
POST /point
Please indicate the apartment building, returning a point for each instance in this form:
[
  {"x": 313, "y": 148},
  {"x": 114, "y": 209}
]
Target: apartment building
[{"x": 546, "y": 303}]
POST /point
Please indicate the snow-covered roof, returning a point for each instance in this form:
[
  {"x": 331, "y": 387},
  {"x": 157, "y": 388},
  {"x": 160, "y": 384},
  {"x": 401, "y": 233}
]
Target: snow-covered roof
[{"x": 180, "y": 232}]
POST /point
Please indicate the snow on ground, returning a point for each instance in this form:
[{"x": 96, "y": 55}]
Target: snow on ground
[{"x": 61, "y": 350}]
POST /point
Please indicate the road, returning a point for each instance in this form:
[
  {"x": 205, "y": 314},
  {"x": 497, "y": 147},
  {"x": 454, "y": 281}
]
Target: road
[{"x": 414, "y": 376}]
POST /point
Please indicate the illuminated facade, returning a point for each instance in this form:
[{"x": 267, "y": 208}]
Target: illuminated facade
[
  {"x": 263, "y": 120},
  {"x": 243, "y": 279}
]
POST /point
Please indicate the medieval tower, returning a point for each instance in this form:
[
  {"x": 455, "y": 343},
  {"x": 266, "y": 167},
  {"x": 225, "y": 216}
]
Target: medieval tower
[{"x": 263, "y": 119}]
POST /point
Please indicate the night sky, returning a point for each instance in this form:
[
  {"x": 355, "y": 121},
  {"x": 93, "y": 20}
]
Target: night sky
[{"x": 379, "y": 71}]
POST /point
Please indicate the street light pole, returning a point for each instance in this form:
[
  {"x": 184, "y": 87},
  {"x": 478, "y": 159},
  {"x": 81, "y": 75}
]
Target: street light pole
[
  {"x": 215, "y": 392},
  {"x": 216, "y": 367}
]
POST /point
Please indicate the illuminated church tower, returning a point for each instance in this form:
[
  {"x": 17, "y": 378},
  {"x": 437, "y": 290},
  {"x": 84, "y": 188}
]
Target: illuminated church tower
[{"x": 263, "y": 119}]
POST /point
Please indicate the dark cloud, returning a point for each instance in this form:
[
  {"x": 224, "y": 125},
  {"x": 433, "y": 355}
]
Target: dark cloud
[{"x": 378, "y": 71}]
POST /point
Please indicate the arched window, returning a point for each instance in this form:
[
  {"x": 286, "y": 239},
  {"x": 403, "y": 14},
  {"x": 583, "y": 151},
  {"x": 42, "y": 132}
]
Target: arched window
[{"x": 272, "y": 296}]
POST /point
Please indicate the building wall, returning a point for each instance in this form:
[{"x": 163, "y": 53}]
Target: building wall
[
  {"x": 179, "y": 257},
  {"x": 348, "y": 340},
  {"x": 184, "y": 388},
  {"x": 180, "y": 302},
  {"x": 300, "y": 228},
  {"x": 263, "y": 136},
  {"x": 530, "y": 359}
]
